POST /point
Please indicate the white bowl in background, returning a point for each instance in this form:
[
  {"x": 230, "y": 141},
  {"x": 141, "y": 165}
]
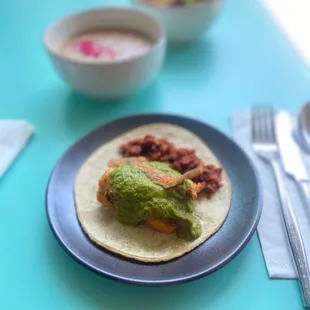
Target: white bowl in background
[
  {"x": 184, "y": 23},
  {"x": 114, "y": 80}
]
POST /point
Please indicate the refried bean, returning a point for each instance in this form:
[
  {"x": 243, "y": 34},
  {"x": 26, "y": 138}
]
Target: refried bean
[{"x": 180, "y": 159}]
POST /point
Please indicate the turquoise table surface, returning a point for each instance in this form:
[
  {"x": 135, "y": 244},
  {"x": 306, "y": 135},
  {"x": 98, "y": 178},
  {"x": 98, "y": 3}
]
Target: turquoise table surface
[{"x": 244, "y": 59}]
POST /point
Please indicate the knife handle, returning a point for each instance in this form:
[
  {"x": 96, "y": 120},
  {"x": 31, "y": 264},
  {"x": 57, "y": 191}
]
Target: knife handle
[{"x": 293, "y": 234}]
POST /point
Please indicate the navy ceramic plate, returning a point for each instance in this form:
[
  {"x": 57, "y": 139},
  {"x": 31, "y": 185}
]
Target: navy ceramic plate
[{"x": 217, "y": 251}]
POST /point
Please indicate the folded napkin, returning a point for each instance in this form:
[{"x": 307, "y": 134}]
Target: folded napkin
[
  {"x": 14, "y": 135},
  {"x": 271, "y": 230}
]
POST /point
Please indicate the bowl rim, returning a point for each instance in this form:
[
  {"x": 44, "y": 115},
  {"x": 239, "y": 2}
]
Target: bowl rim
[
  {"x": 158, "y": 42},
  {"x": 197, "y": 6}
]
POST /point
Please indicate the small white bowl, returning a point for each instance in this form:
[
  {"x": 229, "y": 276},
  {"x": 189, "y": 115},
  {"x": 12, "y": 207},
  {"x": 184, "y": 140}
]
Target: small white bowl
[
  {"x": 108, "y": 81},
  {"x": 186, "y": 23}
]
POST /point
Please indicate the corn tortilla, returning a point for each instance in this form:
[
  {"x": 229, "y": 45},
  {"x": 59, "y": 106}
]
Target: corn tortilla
[{"x": 141, "y": 243}]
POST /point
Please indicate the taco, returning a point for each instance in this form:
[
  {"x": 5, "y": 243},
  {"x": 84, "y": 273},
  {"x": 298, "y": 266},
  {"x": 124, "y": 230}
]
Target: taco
[{"x": 118, "y": 219}]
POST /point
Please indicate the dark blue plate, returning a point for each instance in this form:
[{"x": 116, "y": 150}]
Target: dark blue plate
[{"x": 213, "y": 254}]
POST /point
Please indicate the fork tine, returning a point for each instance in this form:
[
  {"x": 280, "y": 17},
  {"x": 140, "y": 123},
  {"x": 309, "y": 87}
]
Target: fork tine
[
  {"x": 269, "y": 116},
  {"x": 272, "y": 116},
  {"x": 257, "y": 134},
  {"x": 253, "y": 133},
  {"x": 263, "y": 124},
  {"x": 254, "y": 125},
  {"x": 268, "y": 124}
]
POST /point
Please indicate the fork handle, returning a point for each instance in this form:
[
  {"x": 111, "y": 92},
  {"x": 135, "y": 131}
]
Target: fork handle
[{"x": 293, "y": 234}]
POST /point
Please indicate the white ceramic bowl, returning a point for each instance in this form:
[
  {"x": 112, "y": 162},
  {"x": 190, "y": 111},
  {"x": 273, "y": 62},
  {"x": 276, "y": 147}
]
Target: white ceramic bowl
[
  {"x": 107, "y": 80},
  {"x": 185, "y": 23}
]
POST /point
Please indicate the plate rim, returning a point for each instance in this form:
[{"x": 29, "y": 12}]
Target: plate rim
[{"x": 141, "y": 282}]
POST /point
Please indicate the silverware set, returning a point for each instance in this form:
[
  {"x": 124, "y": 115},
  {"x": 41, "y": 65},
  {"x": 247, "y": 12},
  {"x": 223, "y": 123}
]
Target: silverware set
[{"x": 272, "y": 140}]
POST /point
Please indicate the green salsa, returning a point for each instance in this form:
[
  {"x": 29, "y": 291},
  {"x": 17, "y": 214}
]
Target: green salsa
[{"x": 137, "y": 199}]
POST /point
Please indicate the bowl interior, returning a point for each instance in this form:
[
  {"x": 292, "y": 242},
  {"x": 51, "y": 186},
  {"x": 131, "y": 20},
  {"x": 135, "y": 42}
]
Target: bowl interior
[
  {"x": 203, "y": 5},
  {"x": 127, "y": 19}
]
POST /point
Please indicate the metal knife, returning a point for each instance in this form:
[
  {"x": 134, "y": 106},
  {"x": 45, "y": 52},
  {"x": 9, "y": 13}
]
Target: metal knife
[
  {"x": 293, "y": 165},
  {"x": 291, "y": 155}
]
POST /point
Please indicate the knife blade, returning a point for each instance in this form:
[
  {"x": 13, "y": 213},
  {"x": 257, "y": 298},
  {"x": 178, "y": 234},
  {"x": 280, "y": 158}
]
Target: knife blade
[{"x": 289, "y": 150}]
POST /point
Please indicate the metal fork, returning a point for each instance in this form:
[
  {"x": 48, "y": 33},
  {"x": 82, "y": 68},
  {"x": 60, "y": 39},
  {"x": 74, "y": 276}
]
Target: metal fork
[{"x": 265, "y": 145}]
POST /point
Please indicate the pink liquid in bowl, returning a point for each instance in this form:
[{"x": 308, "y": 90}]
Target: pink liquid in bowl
[{"x": 90, "y": 48}]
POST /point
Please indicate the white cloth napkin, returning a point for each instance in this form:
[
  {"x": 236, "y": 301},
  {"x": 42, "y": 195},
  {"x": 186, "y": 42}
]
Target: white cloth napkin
[
  {"x": 271, "y": 231},
  {"x": 14, "y": 135}
]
